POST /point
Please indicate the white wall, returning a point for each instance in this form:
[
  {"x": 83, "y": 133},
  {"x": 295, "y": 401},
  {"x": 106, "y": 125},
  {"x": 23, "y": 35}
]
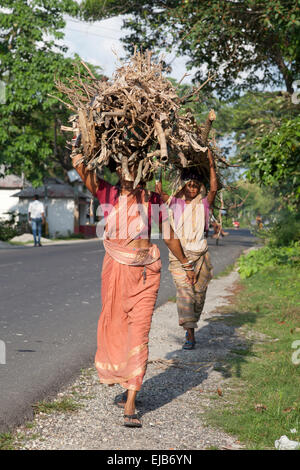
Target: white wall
[
  {"x": 8, "y": 203},
  {"x": 83, "y": 211},
  {"x": 60, "y": 215}
]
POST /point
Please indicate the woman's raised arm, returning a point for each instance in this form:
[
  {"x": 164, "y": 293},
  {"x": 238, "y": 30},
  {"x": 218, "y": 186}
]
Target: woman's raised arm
[
  {"x": 159, "y": 190},
  {"x": 88, "y": 177},
  {"x": 213, "y": 184}
]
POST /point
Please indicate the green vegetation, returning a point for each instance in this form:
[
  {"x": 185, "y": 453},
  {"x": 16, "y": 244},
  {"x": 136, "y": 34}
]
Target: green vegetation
[
  {"x": 284, "y": 230},
  {"x": 61, "y": 406},
  {"x": 250, "y": 46},
  {"x": 260, "y": 399},
  {"x": 258, "y": 260},
  {"x": 10, "y": 226},
  {"x": 73, "y": 236},
  {"x": 7, "y": 231},
  {"x": 276, "y": 162},
  {"x": 6, "y": 441},
  {"x": 30, "y": 56},
  {"x": 29, "y": 425},
  {"x": 247, "y": 36}
]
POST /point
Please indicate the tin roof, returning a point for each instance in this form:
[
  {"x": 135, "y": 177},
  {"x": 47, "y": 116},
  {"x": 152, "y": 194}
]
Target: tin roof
[
  {"x": 11, "y": 182},
  {"x": 53, "y": 191}
]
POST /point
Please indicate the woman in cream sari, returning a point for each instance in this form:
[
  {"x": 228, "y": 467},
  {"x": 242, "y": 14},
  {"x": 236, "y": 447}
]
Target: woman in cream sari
[
  {"x": 189, "y": 219},
  {"x": 130, "y": 280}
]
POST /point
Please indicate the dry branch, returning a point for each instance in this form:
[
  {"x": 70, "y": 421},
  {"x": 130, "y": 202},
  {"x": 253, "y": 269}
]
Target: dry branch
[{"x": 134, "y": 119}]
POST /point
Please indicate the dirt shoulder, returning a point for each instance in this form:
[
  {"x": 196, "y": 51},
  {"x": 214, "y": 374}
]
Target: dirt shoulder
[{"x": 177, "y": 391}]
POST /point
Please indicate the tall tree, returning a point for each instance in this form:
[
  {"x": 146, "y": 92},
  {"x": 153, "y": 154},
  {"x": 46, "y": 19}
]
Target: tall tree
[
  {"x": 265, "y": 129},
  {"x": 248, "y": 43},
  {"x": 276, "y": 162},
  {"x": 30, "y": 56},
  {"x": 253, "y": 116}
]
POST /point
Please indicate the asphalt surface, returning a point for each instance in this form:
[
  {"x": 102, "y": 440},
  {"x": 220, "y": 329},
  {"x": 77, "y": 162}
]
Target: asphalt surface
[{"x": 49, "y": 308}]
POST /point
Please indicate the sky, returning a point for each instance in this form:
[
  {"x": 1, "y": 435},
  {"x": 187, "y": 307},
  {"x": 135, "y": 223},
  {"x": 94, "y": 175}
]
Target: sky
[
  {"x": 100, "y": 44},
  {"x": 96, "y": 43}
]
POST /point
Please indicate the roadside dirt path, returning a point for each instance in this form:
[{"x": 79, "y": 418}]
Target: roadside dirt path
[{"x": 173, "y": 403}]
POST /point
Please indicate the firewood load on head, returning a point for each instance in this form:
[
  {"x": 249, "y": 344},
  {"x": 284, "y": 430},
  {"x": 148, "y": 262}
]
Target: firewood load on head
[{"x": 135, "y": 119}]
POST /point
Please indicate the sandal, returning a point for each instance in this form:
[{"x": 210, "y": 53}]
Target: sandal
[
  {"x": 189, "y": 345},
  {"x": 132, "y": 424}
]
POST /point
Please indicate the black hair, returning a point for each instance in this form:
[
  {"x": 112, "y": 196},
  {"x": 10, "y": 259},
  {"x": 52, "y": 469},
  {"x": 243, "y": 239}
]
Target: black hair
[{"x": 189, "y": 174}]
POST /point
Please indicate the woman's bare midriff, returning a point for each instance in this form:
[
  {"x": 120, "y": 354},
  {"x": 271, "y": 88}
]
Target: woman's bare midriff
[{"x": 143, "y": 243}]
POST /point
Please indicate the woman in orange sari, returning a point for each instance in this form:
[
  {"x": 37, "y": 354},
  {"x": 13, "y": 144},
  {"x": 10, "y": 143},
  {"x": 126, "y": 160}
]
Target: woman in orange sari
[{"x": 130, "y": 280}]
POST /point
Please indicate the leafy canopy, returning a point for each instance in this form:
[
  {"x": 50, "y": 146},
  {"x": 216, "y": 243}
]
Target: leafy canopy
[
  {"x": 265, "y": 129},
  {"x": 276, "y": 162},
  {"x": 247, "y": 42},
  {"x": 29, "y": 59}
]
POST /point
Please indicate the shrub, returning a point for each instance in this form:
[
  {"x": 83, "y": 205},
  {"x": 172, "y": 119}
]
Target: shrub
[
  {"x": 7, "y": 231},
  {"x": 9, "y": 228},
  {"x": 257, "y": 260},
  {"x": 284, "y": 230}
]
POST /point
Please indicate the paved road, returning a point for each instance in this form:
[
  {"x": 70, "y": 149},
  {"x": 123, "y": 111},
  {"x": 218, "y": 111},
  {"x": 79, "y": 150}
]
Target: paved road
[{"x": 50, "y": 303}]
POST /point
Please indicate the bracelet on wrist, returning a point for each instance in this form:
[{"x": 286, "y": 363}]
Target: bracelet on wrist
[{"x": 188, "y": 264}]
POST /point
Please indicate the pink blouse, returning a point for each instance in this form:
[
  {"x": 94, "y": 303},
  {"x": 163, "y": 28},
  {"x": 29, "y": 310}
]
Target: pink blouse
[{"x": 108, "y": 194}]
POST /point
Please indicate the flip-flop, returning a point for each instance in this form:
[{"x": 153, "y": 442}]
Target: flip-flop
[
  {"x": 189, "y": 345},
  {"x": 132, "y": 424}
]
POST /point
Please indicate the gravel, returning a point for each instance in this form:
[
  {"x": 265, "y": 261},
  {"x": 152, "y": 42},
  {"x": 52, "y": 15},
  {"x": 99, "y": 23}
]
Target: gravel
[
  {"x": 27, "y": 237},
  {"x": 174, "y": 397}
]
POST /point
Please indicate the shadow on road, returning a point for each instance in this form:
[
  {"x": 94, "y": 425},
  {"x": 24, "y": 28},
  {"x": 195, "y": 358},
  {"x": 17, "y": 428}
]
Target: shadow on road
[{"x": 219, "y": 347}]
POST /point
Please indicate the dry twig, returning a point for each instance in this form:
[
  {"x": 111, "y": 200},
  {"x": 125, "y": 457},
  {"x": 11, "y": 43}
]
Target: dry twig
[{"x": 135, "y": 119}]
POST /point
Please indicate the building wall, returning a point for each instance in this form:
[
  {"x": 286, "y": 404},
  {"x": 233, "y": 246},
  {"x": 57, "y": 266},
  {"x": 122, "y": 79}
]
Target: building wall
[
  {"x": 8, "y": 203},
  {"x": 83, "y": 211},
  {"x": 60, "y": 215}
]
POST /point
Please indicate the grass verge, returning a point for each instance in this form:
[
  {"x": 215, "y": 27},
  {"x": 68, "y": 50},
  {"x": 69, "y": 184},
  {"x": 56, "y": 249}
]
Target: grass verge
[
  {"x": 261, "y": 400},
  {"x": 6, "y": 441},
  {"x": 60, "y": 406}
]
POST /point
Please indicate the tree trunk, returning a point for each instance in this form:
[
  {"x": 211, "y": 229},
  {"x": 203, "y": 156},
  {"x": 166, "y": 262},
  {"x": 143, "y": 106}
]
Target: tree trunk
[{"x": 287, "y": 76}]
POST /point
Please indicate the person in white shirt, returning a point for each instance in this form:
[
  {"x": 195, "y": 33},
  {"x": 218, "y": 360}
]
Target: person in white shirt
[{"x": 36, "y": 215}]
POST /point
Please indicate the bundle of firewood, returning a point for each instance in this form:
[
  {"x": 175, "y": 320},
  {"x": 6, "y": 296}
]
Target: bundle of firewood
[{"x": 135, "y": 118}]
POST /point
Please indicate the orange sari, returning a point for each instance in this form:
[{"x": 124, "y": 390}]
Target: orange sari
[{"x": 130, "y": 283}]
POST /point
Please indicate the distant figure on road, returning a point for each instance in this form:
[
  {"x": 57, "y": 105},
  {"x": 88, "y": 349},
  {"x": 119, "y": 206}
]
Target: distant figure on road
[
  {"x": 36, "y": 215},
  {"x": 218, "y": 229},
  {"x": 259, "y": 222}
]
